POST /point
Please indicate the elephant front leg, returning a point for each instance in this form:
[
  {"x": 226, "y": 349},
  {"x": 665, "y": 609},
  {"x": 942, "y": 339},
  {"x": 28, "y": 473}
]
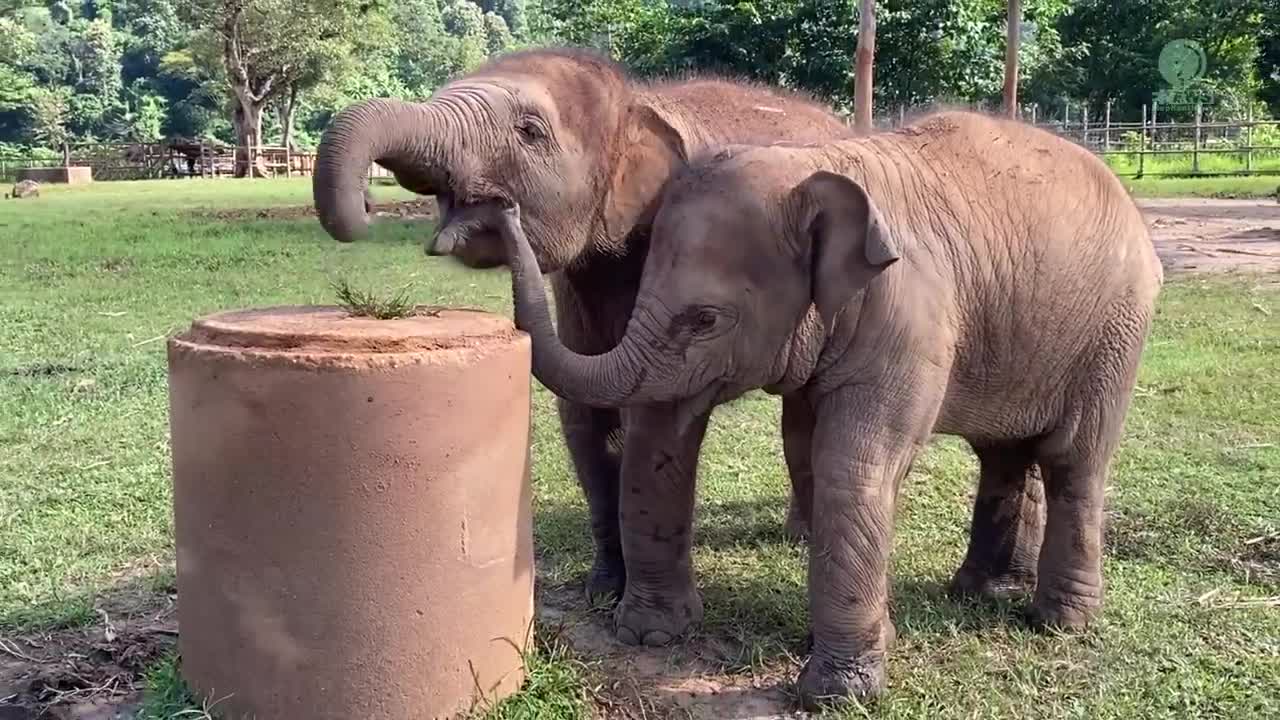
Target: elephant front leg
[
  {"x": 797, "y": 446},
  {"x": 1008, "y": 525},
  {"x": 861, "y": 455},
  {"x": 661, "y": 601},
  {"x": 594, "y": 441}
]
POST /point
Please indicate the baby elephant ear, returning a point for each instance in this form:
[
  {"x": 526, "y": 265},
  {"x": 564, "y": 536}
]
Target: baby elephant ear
[
  {"x": 846, "y": 239},
  {"x": 652, "y": 150}
]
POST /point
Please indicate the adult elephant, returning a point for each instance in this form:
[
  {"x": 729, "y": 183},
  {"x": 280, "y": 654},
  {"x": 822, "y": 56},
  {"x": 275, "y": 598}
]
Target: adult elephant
[{"x": 584, "y": 150}]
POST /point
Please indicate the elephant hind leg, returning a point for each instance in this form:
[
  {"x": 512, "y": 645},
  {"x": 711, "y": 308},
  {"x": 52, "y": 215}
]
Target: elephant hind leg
[
  {"x": 797, "y": 446},
  {"x": 1076, "y": 459},
  {"x": 1007, "y": 526},
  {"x": 594, "y": 438}
]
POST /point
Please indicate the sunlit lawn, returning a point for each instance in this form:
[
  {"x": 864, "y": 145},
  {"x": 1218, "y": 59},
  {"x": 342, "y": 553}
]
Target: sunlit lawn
[{"x": 92, "y": 280}]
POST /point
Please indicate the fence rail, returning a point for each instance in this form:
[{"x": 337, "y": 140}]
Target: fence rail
[
  {"x": 174, "y": 159},
  {"x": 1154, "y": 147},
  {"x": 1146, "y": 148}
]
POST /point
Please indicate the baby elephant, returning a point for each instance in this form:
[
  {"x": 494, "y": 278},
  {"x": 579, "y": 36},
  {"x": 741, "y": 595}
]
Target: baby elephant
[{"x": 971, "y": 276}]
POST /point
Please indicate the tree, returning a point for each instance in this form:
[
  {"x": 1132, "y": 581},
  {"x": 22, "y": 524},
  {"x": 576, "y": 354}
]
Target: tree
[
  {"x": 274, "y": 48},
  {"x": 1013, "y": 27},
  {"x": 865, "y": 58}
]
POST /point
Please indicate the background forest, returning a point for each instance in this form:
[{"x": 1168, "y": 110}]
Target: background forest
[{"x": 144, "y": 69}]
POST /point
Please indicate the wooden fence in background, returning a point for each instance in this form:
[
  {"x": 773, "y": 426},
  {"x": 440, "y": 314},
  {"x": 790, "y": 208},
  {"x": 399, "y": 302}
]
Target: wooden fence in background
[
  {"x": 1161, "y": 147},
  {"x": 174, "y": 159},
  {"x": 1151, "y": 147}
]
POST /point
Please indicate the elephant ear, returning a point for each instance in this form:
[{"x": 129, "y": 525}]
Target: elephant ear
[
  {"x": 651, "y": 152},
  {"x": 845, "y": 239}
]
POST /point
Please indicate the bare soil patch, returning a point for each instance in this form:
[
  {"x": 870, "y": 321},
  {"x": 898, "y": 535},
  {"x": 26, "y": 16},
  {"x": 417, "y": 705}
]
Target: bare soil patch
[
  {"x": 1190, "y": 234},
  {"x": 417, "y": 209},
  {"x": 95, "y": 672},
  {"x": 699, "y": 678},
  {"x": 88, "y": 673},
  {"x": 1215, "y": 235}
]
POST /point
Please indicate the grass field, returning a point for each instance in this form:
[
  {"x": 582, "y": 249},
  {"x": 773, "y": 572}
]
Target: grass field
[
  {"x": 1210, "y": 162},
  {"x": 1257, "y": 186},
  {"x": 93, "y": 280}
]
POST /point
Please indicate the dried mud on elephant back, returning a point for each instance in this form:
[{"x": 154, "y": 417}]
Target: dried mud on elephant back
[{"x": 93, "y": 672}]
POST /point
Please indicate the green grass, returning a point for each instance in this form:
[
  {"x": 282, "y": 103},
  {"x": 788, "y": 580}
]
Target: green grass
[
  {"x": 1259, "y": 186},
  {"x": 92, "y": 280},
  {"x": 1184, "y": 163}
]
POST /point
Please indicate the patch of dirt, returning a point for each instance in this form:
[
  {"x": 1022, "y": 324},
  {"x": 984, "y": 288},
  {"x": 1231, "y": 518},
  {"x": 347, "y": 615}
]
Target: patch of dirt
[
  {"x": 700, "y": 678},
  {"x": 1215, "y": 235},
  {"x": 88, "y": 673},
  {"x": 419, "y": 209}
]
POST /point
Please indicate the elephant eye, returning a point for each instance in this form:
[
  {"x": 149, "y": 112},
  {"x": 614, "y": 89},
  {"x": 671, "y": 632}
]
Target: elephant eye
[
  {"x": 530, "y": 129},
  {"x": 705, "y": 319}
]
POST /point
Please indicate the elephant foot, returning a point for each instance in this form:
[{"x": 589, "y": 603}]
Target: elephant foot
[
  {"x": 606, "y": 582},
  {"x": 826, "y": 682},
  {"x": 1070, "y": 614},
  {"x": 888, "y": 634},
  {"x": 968, "y": 582},
  {"x": 796, "y": 528},
  {"x": 656, "y": 620}
]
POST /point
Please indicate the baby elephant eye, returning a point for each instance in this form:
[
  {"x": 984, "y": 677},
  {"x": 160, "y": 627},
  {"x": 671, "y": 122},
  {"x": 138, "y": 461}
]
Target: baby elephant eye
[
  {"x": 530, "y": 130},
  {"x": 706, "y": 319}
]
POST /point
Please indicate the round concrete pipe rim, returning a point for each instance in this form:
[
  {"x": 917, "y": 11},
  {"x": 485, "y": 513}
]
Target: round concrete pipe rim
[{"x": 330, "y": 330}]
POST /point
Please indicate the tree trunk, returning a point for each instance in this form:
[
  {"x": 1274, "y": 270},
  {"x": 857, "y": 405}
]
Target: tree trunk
[
  {"x": 864, "y": 59},
  {"x": 1011, "y": 58},
  {"x": 248, "y": 126},
  {"x": 286, "y": 109}
]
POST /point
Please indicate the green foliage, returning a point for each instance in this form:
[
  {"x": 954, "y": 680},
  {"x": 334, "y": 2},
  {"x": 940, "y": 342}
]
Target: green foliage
[{"x": 118, "y": 66}]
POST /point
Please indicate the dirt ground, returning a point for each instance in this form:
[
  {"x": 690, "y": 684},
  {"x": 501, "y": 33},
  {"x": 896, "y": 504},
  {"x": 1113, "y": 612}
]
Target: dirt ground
[
  {"x": 94, "y": 673},
  {"x": 1190, "y": 234},
  {"x": 1215, "y": 235}
]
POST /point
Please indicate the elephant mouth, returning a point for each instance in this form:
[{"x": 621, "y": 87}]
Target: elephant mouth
[{"x": 465, "y": 233}]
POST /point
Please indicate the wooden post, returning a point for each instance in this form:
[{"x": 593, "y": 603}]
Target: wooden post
[
  {"x": 1155, "y": 138},
  {"x": 201, "y": 156},
  {"x": 1195, "y": 148},
  {"x": 1084, "y": 128},
  {"x": 1034, "y": 107},
  {"x": 1066, "y": 117},
  {"x": 66, "y": 154},
  {"x": 902, "y": 115},
  {"x": 1248, "y": 140},
  {"x": 864, "y": 59},
  {"x": 288, "y": 162},
  {"x": 1142, "y": 141},
  {"x": 1106, "y": 132},
  {"x": 1013, "y": 38}
]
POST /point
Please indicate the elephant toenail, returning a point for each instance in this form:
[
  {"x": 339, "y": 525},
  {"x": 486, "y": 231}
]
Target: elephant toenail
[
  {"x": 657, "y": 638},
  {"x": 626, "y": 636}
]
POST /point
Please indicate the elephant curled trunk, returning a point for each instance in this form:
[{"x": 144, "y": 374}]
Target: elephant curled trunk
[
  {"x": 406, "y": 138},
  {"x": 611, "y": 379}
]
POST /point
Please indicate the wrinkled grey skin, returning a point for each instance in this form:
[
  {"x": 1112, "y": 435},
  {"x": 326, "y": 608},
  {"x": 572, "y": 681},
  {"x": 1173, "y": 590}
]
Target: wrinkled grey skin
[
  {"x": 585, "y": 152},
  {"x": 971, "y": 276}
]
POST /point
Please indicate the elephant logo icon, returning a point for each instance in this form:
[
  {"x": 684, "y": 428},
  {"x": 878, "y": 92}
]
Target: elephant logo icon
[{"x": 1181, "y": 62}]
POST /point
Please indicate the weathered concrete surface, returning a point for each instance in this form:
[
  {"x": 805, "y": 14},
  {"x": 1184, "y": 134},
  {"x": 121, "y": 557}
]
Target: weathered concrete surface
[
  {"x": 74, "y": 175},
  {"x": 352, "y": 511}
]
